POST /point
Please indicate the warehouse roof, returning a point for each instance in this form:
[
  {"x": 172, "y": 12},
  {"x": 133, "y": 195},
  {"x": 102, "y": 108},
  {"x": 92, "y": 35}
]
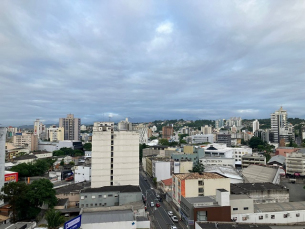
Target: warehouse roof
[
  {"x": 244, "y": 188},
  {"x": 122, "y": 188},
  {"x": 187, "y": 176},
  {"x": 255, "y": 173},
  {"x": 104, "y": 217}
]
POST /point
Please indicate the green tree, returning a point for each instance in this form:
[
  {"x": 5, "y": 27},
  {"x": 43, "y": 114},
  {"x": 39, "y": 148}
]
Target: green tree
[
  {"x": 197, "y": 168},
  {"x": 12, "y": 193},
  {"x": 163, "y": 142},
  {"x": 58, "y": 153},
  {"x": 88, "y": 146},
  {"x": 152, "y": 138},
  {"x": 255, "y": 142},
  {"x": 67, "y": 151},
  {"x": 78, "y": 152},
  {"x": 54, "y": 219},
  {"x": 71, "y": 163},
  {"x": 62, "y": 163}
]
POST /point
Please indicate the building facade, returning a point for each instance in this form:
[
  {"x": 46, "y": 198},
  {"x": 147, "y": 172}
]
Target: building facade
[
  {"x": 26, "y": 140},
  {"x": 71, "y": 127},
  {"x": 295, "y": 164},
  {"x": 2, "y": 156},
  {"x": 255, "y": 125},
  {"x": 167, "y": 132},
  {"x": 115, "y": 156},
  {"x": 280, "y": 128}
]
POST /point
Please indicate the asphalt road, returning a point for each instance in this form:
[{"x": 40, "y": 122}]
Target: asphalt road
[{"x": 159, "y": 215}]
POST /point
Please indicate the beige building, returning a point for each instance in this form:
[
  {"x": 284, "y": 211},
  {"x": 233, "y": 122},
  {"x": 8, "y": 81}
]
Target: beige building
[
  {"x": 43, "y": 154},
  {"x": 56, "y": 134},
  {"x": 115, "y": 156},
  {"x": 253, "y": 159},
  {"x": 295, "y": 163},
  {"x": 188, "y": 149},
  {"x": 195, "y": 184},
  {"x": 26, "y": 140}
]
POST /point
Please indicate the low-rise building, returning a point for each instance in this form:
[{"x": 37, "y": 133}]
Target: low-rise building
[
  {"x": 109, "y": 196},
  {"x": 241, "y": 204},
  {"x": 82, "y": 173},
  {"x": 202, "y": 138},
  {"x": 195, "y": 184},
  {"x": 226, "y": 171},
  {"x": 254, "y": 159},
  {"x": 162, "y": 168},
  {"x": 219, "y": 161},
  {"x": 166, "y": 185},
  {"x": 183, "y": 166},
  {"x": 277, "y": 160},
  {"x": 25, "y": 159},
  {"x": 260, "y": 174},
  {"x": 43, "y": 154},
  {"x": 262, "y": 192}
]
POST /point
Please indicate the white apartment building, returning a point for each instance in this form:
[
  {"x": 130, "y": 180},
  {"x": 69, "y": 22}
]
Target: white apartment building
[
  {"x": 295, "y": 163},
  {"x": 255, "y": 125},
  {"x": 162, "y": 169},
  {"x": 39, "y": 128},
  {"x": 26, "y": 140},
  {"x": 239, "y": 152},
  {"x": 115, "y": 156},
  {"x": 125, "y": 125},
  {"x": 219, "y": 161},
  {"x": 82, "y": 173}
]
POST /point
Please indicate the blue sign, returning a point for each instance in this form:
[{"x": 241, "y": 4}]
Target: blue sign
[{"x": 74, "y": 223}]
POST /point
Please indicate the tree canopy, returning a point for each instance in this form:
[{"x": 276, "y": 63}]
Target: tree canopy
[
  {"x": 36, "y": 168},
  {"x": 54, "y": 219},
  {"x": 254, "y": 142},
  {"x": 87, "y": 146}
]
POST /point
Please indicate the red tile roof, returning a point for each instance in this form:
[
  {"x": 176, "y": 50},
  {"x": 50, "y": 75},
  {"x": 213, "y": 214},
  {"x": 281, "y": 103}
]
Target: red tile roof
[{"x": 167, "y": 182}]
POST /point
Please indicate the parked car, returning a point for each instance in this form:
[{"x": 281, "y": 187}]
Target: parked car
[
  {"x": 158, "y": 196},
  {"x": 173, "y": 227},
  {"x": 170, "y": 213},
  {"x": 71, "y": 178},
  {"x": 152, "y": 204},
  {"x": 174, "y": 219},
  {"x": 145, "y": 179},
  {"x": 158, "y": 205}
]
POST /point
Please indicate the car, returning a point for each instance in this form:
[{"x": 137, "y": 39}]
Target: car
[
  {"x": 152, "y": 204},
  {"x": 170, "y": 213},
  {"x": 174, "y": 218},
  {"x": 158, "y": 205},
  {"x": 145, "y": 179},
  {"x": 158, "y": 196},
  {"x": 173, "y": 227}
]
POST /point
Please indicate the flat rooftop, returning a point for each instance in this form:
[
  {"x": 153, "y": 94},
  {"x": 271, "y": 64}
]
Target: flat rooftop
[
  {"x": 244, "y": 188},
  {"x": 279, "y": 207},
  {"x": 187, "y": 176},
  {"x": 123, "y": 188},
  {"x": 200, "y": 199},
  {"x": 211, "y": 225},
  {"x": 107, "y": 216}
]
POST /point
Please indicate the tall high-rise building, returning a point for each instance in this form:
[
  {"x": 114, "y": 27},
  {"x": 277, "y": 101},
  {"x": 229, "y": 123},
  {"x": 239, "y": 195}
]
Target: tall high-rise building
[
  {"x": 71, "y": 127},
  {"x": 115, "y": 156},
  {"x": 255, "y": 125},
  {"x": 206, "y": 129},
  {"x": 2, "y": 156},
  {"x": 167, "y": 132},
  {"x": 39, "y": 129},
  {"x": 125, "y": 125},
  {"x": 279, "y": 126}
]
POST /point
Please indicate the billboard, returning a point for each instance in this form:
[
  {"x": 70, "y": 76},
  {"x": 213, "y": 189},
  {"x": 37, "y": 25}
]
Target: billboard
[
  {"x": 73, "y": 223},
  {"x": 8, "y": 177}
]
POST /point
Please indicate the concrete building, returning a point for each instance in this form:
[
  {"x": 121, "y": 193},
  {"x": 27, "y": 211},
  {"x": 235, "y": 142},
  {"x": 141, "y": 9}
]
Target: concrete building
[
  {"x": 206, "y": 129},
  {"x": 262, "y": 193},
  {"x": 109, "y": 196},
  {"x": 39, "y": 129},
  {"x": 71, "y": 127},
  {"x": 219, "y": 123},
  {"x": 195, "y": 184},
  {"x": 82, "y": 173},
  {"x": 202, "y": 138},
  {"x": 183, "y": 166},
  {"x": 55, "y": 134},
  {"x": 25, "y": 159},
  {"x": 254, "y": 159},
  {"x": 143, "y": 135},
  {"x": 2, "y": 157},
  {"x": 167, "y": 132},
  {"x": 26, "y": 140},
  {"x": 43, "y": 154},
  {"x": 115, "y": 156},
  {"x": 162, "y": 168},
  {"x": 83, "y": 128},
  {"x": 204, "y": 208},
  {"x": 257, "y": 174},
  {"x": 238, "y": 152},
  {"x": 219, "y": 161},
  {"x": 125, "y": 125},
  {"x": 295, "y": 164},
  {"x": 166, "y": 185},
  {"x": 280, "y": 127},
  {"x": 224, "y": 138},
  {"x": 255, "y": 125}
]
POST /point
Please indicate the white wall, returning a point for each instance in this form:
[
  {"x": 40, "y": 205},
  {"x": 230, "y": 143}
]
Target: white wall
[
  {"x": 278, "y": 217},
  {"x": 162, "y": 170},
  {"x": 111, "y": 225},
  {"x": 82, "y": 173}
]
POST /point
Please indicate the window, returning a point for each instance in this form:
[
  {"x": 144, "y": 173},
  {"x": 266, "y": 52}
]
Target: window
[
  {"x": 82, "y": 205},
  {"x": 95, "y": 204},
  {"x": 200, "y": 182},
  {"x": 272, "y": 216},
  {"x": 110, "y": 195},
  {"x": 261, "y": 217},
  {"x": 85, "y": 196},
  {"x": 105, "y": 196},
  {"x": 235, "y": 209},
  {"x": 100, "y": 204},
  {"x": 86, "y": 205},
  {"x": 82, "y": 197},
  {"x": 297, "y": 215},
  {"x": 200, "y": 190},
  {"x": 91, "y": 205},
  {"x": 246, "y": 208},
  {"x": 99, "y": 196},
  {"x": 285, "y": 216}
]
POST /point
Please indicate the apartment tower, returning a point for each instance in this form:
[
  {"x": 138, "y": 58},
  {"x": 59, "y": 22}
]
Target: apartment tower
[
  {"x": 71, "y": 127},
  {"x": 115, "y": 156}
]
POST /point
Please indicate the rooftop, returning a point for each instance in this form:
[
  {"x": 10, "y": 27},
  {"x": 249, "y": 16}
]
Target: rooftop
[
  {"x": 25, "y": 157},
  {"x": 123, "y": 188},
  {"x": 244, "y": 188},
  {"x": 211, "y": 225},
  {"x": 256, "y": 173},
  {"x": 41, "y": 152},
  {"x": 72, "y": 188},
  {"x": 187, "y": 176},
  {"x": 168, "y": 182},
  {"x": 62, "y": 202},
  {"x": 226, "y": 171},
  {"x": 239, "y": 197},
  {"x": 279, "y": 207},
  {"x": 108, "y": 216},
  {"x": 199, "y": 199},
  {"x": 278, "y": 158}
]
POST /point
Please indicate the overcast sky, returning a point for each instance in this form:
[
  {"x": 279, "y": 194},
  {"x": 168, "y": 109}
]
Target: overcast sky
[{"x": 150, "y": 60}]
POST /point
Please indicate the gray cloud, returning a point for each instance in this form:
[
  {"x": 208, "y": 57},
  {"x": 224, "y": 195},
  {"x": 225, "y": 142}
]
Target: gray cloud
[{"x": 150, "y": 60}]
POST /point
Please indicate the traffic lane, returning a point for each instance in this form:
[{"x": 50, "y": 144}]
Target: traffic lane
[{"x": 164, "y": 212}]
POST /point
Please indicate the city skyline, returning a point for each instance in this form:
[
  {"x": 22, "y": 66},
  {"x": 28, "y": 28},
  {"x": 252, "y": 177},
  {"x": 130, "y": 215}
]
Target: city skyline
[{"x": 151, "y": 60}]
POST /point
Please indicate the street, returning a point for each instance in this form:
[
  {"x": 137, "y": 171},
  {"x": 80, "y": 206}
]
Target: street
[{"x": 159, "y": 216}]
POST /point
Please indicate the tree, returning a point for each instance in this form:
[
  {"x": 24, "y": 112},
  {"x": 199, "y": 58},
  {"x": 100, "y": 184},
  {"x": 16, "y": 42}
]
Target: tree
[
  {"x": 12, "y": 193},
  {"x": 71, "y": 163},
  {"x": 163, "y": 142},
  {"x": 87, "y": 146},
  {"x": 197, "y": 168},
  {"x": 78, "y": 152},
  {"x": 54, "y": 219},
  {"x": 62, "y": 163},
  {"x": 67, "y": 151},
  {"x": 141, "y": 147},
  {"x": 58, "y": 153},
  {"x": 152, "y": 138},
  {"x": 255, "y": 142}
]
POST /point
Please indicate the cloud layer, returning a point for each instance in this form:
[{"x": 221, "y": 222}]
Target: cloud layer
[{"x": 150, "y": 60}]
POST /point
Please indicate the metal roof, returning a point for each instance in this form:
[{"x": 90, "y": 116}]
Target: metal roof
[
  {"x": 109, "y": 216},
  {"x": 255, "y": 173}
]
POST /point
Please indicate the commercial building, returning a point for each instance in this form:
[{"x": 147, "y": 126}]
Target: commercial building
[
  {"x": 2, "y": 157},
  {"x": 115, "y": 156},
  {"x": 224, "y": 138},
  {"x": 202, "y": 138},
  {"x": 39, "y": 129},
  {"x": 71, "y": 127},
  {"x": 262, "y": 193},
  {"x": 255, "y": 125},
  {"x": 109, "y": 196},
  {"x": 167, "y": 132},
  {"x": 26, "y": 140},
  {"x": 219, "y": 161},
  {"x": 257, "y": 174},
  {"x": 206, "y": 129},
  {"x": 295, "y": 164},
  {"x": 280, "y": 128},
  {"x": 204, "y": 208},
  {"x": 82, "y": 173},
  {"x": 254, "y": 159},
  {"x": 195, "y": 184}
]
